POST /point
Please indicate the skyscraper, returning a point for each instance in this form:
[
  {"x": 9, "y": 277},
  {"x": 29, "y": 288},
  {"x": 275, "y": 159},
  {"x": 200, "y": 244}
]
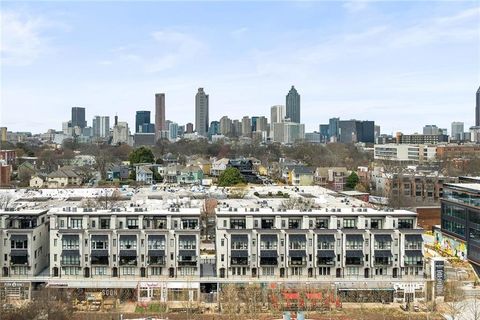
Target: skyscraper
[
  {"x": 246, "y": 126},
  {"x": 141, "y": 118},
  {"x": 277, "y": 114},
  {"x": 293, "y": 105},
  {"x": 457, "y": 131},
  {"x": 159, "y": 114},
  {"x": 101, "y": 126},
  {"x": 78, "y": 117},
  {"x": 201, "y": 112},
  {"x": 477, "y": 110}
]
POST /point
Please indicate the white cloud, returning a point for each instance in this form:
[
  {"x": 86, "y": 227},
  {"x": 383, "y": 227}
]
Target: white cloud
[{"x": 23, "y": 38}]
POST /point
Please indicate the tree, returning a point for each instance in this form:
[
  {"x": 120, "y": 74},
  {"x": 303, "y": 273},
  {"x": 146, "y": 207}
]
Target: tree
[
  {"x": 230, "y": 177},
  {"x": 141, "y": 155},
  {"x": 352, "y": 181},
  {"x": 454, "y": 299},
  {"x": 106, "y": 201},
  {"x": 5, "y": 200}
]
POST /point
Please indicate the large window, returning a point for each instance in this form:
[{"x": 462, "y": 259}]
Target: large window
[
  {"x": 128, "y": 244},
  {"x": 297, "y": 245},
  {"x": 405, "y": 223},
  {"x": 295, "y": 223},
  {"x": 71, "y": 260},
  {"x": 326, "y": 245},
  {"x": 19, "y": 244},
  {"x": 237, "y": 223},
  {"x": 267, "y": 223},
  {"x": 376, "y": 224},
  {"x": 100, "y": 245},
  {"x": 354, "y": 245},
  {"x": 456, "y": 212},
  {"x": 383, "y": 245},
  {"x": 70, "y": 244},
  {"x": 189, "y": 223},
  {"x": 321, "y": 223},
  {"x": 453, "y": 227},
  {"x": 239, "y": 245},
  {"x": 187, "y": 245},
  {"x": 349, "y": 223},
  {"x": 76, "y": 223},
  {"x": 268, "y": 245},
  {"x": 132, "y": 223},
  {"x": 415, "y": 260},
  {"x": 156, "y": 244}
]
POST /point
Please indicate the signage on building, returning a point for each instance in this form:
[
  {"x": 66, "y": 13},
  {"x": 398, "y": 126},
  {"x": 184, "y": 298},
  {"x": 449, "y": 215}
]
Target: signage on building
[
  {"x": 15, "y": 284},
  {"x": 439, "y": 274}
]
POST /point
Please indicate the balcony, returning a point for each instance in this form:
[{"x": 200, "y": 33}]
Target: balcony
[
  {"x": 128, "y": 257},
  {"x": 297, "y": 257},
  {"x": 99, "y": 257},
  {"x": 325, "y": 257},
  {"x": 70, "y": 258},
  {"x": 156, "y": 257},
  {"x": 19, "y": 257},
  {"x": 187, "y": 258},
  {"x": 354, "y": 257}
]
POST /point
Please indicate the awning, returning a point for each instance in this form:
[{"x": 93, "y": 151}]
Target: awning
[
  {"x": 382, "y": 254},
  {"x": 354, "y": 254},
  {"x": 70, "y": 253},
  {"x": 383, "y": 237},
  {"x": 70, "y": 237},
  {"x": 268, "y": 254},
  {"x": 326, "y": 238},
  {"x": 18, "y": 253},
  {"x": 99, "y": 237},
  {"x": 99, "y": 253},
  {"x": 187, "y": 237},
  {"x": 413, "y": 253},
  {"x": 18, "y": 237},
  {"x": 156, "y": 237},
  {"x": 297, "y": 253},
  {"x": 128, "y": 253},
  {"x": 354, "y": 237},
  {"x": 269, "y": 237},
  {"x": 187, "y": 253},
  {"x": 297, "y": 237},
  {"x": 413, "y": 237},
  {"x": 239, "y": 237},
  {"x": 239, "y": 253},
  {"x": 128, "y": 237},
  {"x": 156, "y": 253},
  {"x": 325, "y": 253}
]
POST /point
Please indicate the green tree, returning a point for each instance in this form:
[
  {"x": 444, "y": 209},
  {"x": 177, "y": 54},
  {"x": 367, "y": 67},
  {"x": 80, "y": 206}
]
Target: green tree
[
  {"x": 352, "y": 181},
  {"x": 230, "y": 177},
  {"x": 141, "y": 155}
]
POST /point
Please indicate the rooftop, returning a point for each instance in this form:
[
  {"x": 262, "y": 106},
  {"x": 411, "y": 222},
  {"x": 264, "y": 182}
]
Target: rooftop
[{"x": 466, "y": 186}]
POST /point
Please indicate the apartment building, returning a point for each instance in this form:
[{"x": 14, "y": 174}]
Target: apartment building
[
  {"x": 347, "y": 243},
  {"x": 23, "y": 250},
  {"x": 124, "y": 243}
]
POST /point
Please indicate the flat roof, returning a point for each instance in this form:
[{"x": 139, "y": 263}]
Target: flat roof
[{"x": 466, "y": 186}]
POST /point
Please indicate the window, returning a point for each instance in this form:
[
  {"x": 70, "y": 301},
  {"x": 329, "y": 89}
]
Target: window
[
  {"x": 267, "y": 223},
  {"x": 349, "y": 223},
  {"x": 70, "y": 243},
  {"x": 225, "y": 223},
  {"x": 352, "y": 271},
  {"x": 382, "y": 245},
  {"x": 237, "y": 223},
  {"x": 128, "y": 271},
  {"x": 222, "y": 258},
  {"x": 93, "y": 224},
  {"x": 222, "y": 242},
  {"x": 354, "y": 245},
  {"x": 55, "y": 257},
  {"x": 268, "y": 245},
  {"x": 156, "y": 271},
  {"x": 193, "y": 223},
  {"x": 268, "y": 271},
  {"x": 187, "y": 245},
  {"x": 405, "y": 223},
  {"x": 239, "y": 245},
  {"x": 19, "y": 244},
  {"x": 295, "y": 223},
  {"x": 71, "y": 271},
  {"x": 156, "y": 244},
  {"x": 54, "y": 242},
  {"x": 100, "y": 271},
  {"x": 376, "y": 224},
  {"x": 132, "y": 223},
  {"x": 321, "y": 223},
  {"x": 128, "y": 244},
  {"x": 76, "y": 223},
  {"x": 324, "y": 271},
  {"x": 62, "y": 223},
  {"x": 99, "y": 245},
  {"x": 297, "y": 245}
]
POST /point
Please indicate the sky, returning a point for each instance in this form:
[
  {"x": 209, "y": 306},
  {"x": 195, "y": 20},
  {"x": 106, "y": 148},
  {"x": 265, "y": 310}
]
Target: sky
[{"x": 403, "y": 64}]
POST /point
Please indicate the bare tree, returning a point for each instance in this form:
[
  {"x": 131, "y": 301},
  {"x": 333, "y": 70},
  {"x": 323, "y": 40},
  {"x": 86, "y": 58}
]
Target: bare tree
[
  {"x": 5, "y": 200},
  {"x": 473, "y": 307},
  {"x": 107, "y": 201},
  {"x": 454, "y": 299},
  {"x": 229, "y": 299}
]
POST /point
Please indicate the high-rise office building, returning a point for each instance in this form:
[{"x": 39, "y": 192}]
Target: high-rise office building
[
  {"x": 172, "y": 131},
  {"x": 333, "y": 131},
  {"x": 189, "y": 128},
  {"x": 141, "y": 118},
  {"x": 431, "y": 129},
  {"x": 236, "y": 128},
  {"x": 353, "y": 131},
  {"x": 214, "y": 128},
  {"x": 261, "y": 124},
  {"x": 293, "y": 105},
  {"x": 121, "y": 134},
  {"x": 101, "y": 126},
  {"x": 477, "y": 109},
  {"x": 225, "y": 126},
  {"x": 457, "y": 131},
  {"x": 246, "y": 126},
  {"x": 78, "y": 117},
  {"x": 277, "y": 114},
  {"x": 160, "y": 114},
  {"x": 201, "y": 112}
]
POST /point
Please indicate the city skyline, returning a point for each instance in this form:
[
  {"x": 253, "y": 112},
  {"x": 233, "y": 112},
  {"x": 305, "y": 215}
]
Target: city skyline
[{"x": 400, "y": 76}]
